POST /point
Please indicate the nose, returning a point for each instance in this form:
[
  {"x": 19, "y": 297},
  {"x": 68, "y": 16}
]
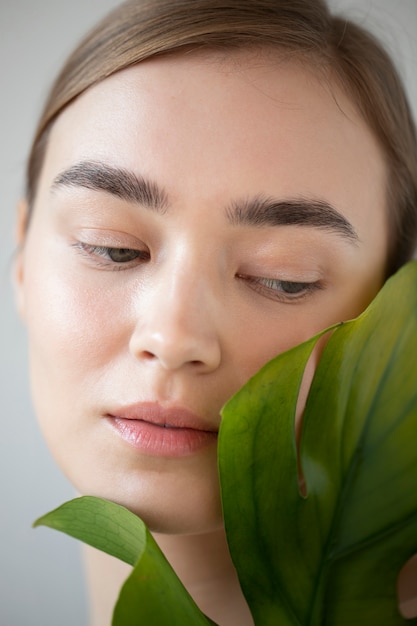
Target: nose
[{"x": 176, "y": 324}]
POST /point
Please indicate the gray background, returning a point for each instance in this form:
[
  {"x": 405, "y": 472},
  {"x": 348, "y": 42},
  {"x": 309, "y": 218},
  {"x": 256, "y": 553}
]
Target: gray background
[{"x": 41, "y": 579}]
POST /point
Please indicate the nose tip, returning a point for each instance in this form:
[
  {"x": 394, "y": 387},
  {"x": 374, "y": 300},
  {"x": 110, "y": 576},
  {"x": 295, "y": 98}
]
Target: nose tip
[{"x": 173, "y": 348}]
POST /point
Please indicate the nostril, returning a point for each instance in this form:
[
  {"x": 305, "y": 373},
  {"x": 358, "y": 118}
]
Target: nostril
[
  {"x": 407, "y": 589},
  {"x": 149, "y": 356}
]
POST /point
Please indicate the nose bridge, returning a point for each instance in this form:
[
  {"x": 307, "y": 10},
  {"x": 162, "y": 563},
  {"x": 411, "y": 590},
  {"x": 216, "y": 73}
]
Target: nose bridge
[{"x": 176, "y": 320}]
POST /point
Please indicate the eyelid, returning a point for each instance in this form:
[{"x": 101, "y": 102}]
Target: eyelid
[
  {"x": 108, "y": 238},
  {"x": 264, "y": 286},
  {"x": 99, "y": 255}
]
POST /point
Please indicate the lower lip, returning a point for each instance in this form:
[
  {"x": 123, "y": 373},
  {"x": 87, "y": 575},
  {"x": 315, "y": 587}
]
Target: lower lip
[{"x": 162, "y": 441}]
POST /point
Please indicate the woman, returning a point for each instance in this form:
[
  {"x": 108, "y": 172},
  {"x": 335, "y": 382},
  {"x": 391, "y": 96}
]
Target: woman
[{"x": 209, "y": 185}]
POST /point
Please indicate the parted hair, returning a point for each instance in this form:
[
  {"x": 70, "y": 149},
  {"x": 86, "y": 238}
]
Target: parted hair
[{"x": 304, "y": 29}]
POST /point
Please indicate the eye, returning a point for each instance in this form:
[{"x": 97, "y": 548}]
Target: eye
[
  {"x": 112, "y": 258},
  {"x": 122, "y": 255},
  {"x": 282, "y": 290}
]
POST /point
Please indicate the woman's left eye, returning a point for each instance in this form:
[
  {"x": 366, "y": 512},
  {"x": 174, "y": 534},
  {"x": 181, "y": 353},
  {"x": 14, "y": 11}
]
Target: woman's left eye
[
  {"x": 109, "y": 256},
  {"x": 281, "y": 290}
]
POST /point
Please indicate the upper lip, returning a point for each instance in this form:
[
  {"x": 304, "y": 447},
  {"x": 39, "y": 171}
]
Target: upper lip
[{"x": 160, "y": 415}]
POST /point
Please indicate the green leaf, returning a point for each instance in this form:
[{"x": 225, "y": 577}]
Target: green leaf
[
  {"x": 333, "y": 557},
  {"x": 152, "y": 594},
  {"x": 102, "y": 524}
]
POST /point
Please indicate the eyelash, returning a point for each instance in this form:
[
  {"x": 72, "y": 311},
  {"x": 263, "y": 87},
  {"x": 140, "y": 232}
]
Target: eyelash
[
  {"x": 101, "y": 255},
  {"x": 286, "y": 291},
  {"x": 282, "y": 290}
]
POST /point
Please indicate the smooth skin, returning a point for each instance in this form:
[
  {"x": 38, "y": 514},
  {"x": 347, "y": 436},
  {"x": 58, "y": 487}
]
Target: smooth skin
[{"x": 180, "y": 304}]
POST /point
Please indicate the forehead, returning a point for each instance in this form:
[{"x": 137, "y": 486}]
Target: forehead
[{"x": 247, "y": 122}]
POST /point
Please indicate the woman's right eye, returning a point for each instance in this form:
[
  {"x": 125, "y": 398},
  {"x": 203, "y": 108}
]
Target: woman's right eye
[{"x": 113, "y": 257}]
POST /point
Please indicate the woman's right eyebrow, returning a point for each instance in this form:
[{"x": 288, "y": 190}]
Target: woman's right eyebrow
[{"x": 116, "y": 181}]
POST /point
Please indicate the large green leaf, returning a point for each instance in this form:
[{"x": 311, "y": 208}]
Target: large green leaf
[
  {"x": 330, "y": 558},
  {"x": 152, "y": 594}
]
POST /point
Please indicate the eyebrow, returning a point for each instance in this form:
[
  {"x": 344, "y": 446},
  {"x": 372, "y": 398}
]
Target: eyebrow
[
  {"x": 258, "y": 211},
  {"x": 316, "y": 213},
  {"x": 116, "y": 181}
]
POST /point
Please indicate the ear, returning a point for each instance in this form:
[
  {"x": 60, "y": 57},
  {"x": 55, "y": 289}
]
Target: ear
[{"x": 18, "y": 270}]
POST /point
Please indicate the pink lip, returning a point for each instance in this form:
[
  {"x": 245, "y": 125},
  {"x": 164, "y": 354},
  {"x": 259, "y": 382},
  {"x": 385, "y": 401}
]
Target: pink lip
[{"x": 159, "y": 431}]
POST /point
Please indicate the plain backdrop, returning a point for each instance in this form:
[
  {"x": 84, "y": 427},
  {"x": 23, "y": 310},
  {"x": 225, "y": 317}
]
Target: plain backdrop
[{"x": 41, "y": 577}]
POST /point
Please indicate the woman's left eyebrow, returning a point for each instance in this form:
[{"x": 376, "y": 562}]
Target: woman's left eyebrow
[{"x": 307, "y": 212}]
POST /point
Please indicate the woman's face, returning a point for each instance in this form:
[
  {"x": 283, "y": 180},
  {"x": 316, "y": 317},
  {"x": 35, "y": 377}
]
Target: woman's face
[{"x": 195, "y": 217}]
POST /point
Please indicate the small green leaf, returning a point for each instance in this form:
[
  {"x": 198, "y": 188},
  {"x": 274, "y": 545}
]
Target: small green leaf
[
  {"x": 331, "y": 558},
  {"x": 152, "y": 594},
  {"x": 102, "y": 524}
]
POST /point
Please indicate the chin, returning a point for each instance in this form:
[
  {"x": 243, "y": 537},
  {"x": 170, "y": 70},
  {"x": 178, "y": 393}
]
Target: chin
[{"x": 167, "y": 507}]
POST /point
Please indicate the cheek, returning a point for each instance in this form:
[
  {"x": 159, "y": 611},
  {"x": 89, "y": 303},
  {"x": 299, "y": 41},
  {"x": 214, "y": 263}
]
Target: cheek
[
  {"x": 75, "y": 332},
  {"x": 265, "y": 338},
  {"x": 69, "y": 324}
]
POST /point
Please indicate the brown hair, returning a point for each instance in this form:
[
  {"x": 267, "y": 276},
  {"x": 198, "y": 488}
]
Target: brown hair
[{"x": 140, "y": 29}]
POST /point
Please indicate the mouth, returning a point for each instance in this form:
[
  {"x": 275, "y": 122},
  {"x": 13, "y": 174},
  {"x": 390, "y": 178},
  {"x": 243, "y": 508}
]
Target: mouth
[{"x": 160, "y": 431}]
